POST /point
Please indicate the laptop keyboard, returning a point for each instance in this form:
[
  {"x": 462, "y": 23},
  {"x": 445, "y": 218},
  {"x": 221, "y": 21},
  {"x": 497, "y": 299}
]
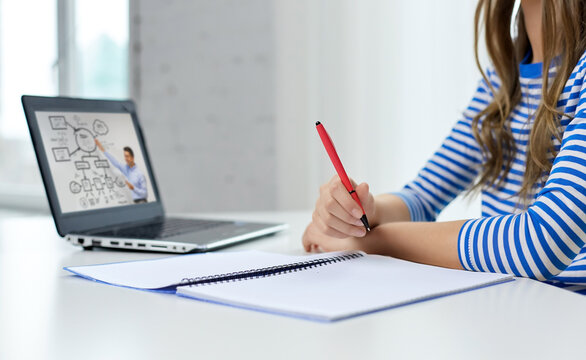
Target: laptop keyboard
[{"x": 163, "y": 229}]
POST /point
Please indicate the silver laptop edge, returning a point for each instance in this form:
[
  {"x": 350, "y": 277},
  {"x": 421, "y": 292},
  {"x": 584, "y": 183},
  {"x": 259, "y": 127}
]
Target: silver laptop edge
[{"x": 167, "y": 246}]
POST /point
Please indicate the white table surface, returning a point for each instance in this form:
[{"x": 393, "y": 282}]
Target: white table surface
[{"x": 46, "y": 313}]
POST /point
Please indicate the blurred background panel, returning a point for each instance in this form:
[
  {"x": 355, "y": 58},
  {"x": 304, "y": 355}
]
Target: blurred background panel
[
  {"x": 228, "y": 91},
  {"x": 203, "y": 79}
]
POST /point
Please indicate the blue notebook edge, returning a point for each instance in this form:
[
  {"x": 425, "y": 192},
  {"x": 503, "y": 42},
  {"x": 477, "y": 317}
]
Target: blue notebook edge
[
  {"x": 165, "y": 290},
  {"x": 349, "y": 316},
  {"x": 172, "y": 289}
]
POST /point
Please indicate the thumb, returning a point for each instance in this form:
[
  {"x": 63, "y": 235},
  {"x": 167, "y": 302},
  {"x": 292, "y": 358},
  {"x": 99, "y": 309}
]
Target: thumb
[
  {"x": 363, "y": 191},
  {"x": 354, "y": 183},
  {"x": 366, "y": 198}
]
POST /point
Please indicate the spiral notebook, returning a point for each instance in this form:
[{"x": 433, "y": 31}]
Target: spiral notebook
[{"x": 323, "y": 287}]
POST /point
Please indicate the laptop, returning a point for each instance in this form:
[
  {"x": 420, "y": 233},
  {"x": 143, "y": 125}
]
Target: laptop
[{"x": 101, "y": 186}]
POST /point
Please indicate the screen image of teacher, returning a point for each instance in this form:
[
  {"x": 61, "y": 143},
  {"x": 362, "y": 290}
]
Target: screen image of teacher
[{"x": 135, "y": 179}]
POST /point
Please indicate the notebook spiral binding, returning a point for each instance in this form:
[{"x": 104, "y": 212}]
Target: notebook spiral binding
[{"x": 267, "y": 271}]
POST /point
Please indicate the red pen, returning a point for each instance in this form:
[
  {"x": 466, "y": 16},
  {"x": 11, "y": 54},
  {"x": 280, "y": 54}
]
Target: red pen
[{"x": 329, "y": 145}]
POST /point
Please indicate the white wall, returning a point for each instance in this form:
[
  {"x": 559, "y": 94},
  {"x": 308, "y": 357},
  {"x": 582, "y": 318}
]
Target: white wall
[
  {"x": 387, "y": 78},
  {"x": 203, "y": 80}
]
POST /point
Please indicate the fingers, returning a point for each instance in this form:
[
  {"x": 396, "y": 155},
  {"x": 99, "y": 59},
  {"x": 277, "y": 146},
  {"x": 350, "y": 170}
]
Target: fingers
[
  {"x": 336, "y": 214},
  {"x": 348, "y": 210},
  {"x": 305, "y": 240},
  {"x": 343, "y": 197},
  {"x": 310, "y": 239},
  {"x": 366, "y": 198},
  {"x": 363, "y": 190},
  {"x": 336, "y": 219},
  {"x": 332, "y": 206},
  {"x": 314, "y": 241},
  {"x": 330, "y": 225}
]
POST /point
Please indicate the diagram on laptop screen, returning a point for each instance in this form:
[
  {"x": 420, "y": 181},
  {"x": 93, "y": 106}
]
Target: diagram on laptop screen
[{"x": 95, "y": 160}]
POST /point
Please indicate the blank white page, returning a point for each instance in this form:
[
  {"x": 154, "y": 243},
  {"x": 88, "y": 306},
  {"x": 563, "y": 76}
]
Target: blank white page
[
  {"x": 160, "y": 273},
  {"x": 343, "y": 289}
]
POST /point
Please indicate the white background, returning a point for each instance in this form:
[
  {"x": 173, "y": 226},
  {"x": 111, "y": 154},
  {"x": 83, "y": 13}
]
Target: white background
[{"x": 232, "y": 90}]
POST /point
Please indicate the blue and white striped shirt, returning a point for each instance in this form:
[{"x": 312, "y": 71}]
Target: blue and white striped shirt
[{"x": 546, "y": 240}]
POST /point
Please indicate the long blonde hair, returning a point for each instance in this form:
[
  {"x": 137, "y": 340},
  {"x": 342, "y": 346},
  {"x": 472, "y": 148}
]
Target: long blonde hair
[{"x": 563, "y": 33}]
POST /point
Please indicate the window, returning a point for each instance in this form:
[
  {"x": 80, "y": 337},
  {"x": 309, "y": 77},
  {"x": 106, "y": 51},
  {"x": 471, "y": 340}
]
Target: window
[
  {"x": 64, "y": 47},
  {"x": 28, "y": 56},
  {"x": 101, "y": 49}
]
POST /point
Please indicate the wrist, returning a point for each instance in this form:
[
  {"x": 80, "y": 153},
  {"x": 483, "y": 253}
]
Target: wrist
[{"x": 389, "y": 208}]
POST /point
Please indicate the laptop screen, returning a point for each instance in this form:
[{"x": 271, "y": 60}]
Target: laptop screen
[{"x": 95, "y": 160}]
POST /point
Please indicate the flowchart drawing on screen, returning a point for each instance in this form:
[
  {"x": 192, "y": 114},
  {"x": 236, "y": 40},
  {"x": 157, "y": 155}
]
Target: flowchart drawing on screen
[{"x": 92, "y": 179}]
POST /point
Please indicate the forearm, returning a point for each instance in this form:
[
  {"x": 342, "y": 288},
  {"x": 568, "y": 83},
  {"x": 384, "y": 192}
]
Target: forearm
[
  {"x": 113, "y": 161},
  {"x": 140, "y": 190},
  {"x": 433, "y": 243},
  {"x": 389, "y": 208}
]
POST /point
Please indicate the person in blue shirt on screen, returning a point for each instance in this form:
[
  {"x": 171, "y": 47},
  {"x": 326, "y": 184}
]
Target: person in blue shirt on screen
[{"x": 135, "y": 179}]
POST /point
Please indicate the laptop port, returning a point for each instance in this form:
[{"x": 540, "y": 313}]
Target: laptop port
[
  {"x": 96, "y": 242},
  {"x": 127, "y": 244},
  {"x": 141, "y": 245},
  {"x": 80, "y": 241},
  {"x": 159, "y": 246},
  {"x": 114, "y": 243}
]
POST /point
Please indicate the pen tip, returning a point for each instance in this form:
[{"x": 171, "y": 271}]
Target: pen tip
[
  {"x": 317, "y": 123},
  {"x": 365, "y": 222}
]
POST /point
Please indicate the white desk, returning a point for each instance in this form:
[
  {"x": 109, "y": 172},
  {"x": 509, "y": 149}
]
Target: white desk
[{"x": 45, "y": 313}]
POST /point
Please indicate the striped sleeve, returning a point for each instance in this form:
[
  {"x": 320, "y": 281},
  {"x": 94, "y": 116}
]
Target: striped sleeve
[
  {"x": 543, "y": 240},
  {"x": 451, "y": 169}
]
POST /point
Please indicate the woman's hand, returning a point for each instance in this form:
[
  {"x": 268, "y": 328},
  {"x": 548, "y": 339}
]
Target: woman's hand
[
  {"x": 337, "y": 215},
  {"x": 315, "y": 240},
  {"x": 336, "y": 221}
]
